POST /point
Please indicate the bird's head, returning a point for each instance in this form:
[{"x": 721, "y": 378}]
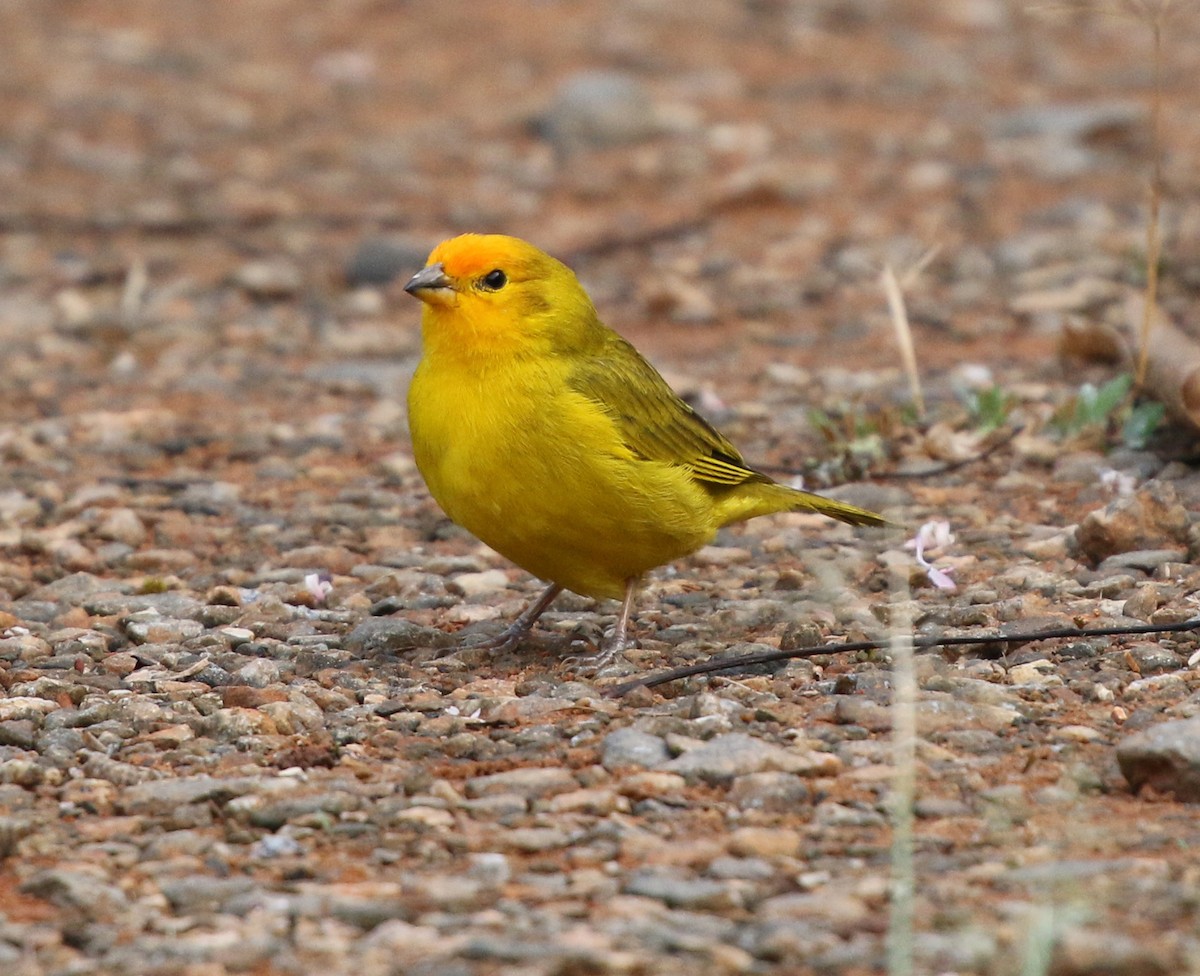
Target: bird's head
[{"x": 499, "y": 294}]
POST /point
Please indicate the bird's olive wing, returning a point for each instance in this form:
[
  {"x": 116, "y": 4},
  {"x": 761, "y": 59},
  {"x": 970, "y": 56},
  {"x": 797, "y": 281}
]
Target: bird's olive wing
[{"x": 653, "y": 421}]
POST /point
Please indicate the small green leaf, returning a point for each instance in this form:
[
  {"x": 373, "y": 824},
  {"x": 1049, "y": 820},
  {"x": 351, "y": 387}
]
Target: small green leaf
[
  {"x": 1142, "y": 422},
  {"x": 989, "y": 408},
  {"x": 1095, "y": 406}
]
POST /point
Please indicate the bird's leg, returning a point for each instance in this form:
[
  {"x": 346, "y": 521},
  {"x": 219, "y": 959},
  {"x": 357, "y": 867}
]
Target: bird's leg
[
  {"x": 616, "y": 641},
  {"x": 518, "y": 630}
]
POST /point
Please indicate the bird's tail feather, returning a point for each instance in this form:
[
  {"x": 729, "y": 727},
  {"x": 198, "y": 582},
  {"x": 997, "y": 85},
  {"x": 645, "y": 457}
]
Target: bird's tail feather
[
  {"x": 763, "y": 498},
  {"x": 842, "y": 511}
]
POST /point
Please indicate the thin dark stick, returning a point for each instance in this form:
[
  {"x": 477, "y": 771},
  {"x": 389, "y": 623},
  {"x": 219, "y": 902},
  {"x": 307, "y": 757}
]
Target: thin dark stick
[{"x": 737, "y": 662}]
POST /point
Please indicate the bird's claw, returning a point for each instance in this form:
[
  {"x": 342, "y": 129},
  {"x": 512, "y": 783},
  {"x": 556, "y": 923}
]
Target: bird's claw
[
  {"x": 589, "y": 664},
  {"x": 505, "y": 641}
]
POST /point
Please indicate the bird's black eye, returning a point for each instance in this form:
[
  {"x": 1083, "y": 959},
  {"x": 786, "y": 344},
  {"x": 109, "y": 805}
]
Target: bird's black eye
[{"x": 495, "y": 280}]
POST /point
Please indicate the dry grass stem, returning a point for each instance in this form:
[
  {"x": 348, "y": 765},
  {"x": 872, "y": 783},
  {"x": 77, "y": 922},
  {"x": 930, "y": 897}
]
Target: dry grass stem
[
  {"x": 908, "y": 353},
  {"x": 904, "y": 759},
  {"x": 1153, "y": 230}
]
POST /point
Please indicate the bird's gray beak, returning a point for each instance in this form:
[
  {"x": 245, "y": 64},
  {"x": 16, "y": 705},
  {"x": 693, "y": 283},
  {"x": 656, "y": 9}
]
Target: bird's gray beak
[{"x": 430, "y": 284}]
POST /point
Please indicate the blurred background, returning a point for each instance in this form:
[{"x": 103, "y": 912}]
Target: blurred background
[{"x": 211, "y": 203}]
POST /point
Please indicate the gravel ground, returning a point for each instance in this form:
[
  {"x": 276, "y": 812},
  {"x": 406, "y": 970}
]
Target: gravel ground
[{"x": 239, "y": 729}]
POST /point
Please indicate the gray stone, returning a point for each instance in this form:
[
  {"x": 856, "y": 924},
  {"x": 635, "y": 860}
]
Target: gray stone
[
  {"x": 596, "y": 109},
  {"x": 392, "y": 635},
  {"x": 201, "y": 893},
  {"x": 379, "y": 260},
  {"x": 850, "y": 710},
  {"x": 1091, "y": 950},
  {"x": 1151, "y": 658},
  {"x": 830, "y": 814},
  {"x": 720, "y": 759},
  {"x": 1165, "y": 757},
  {"x": 1067, "y": 120},
  {"x": 162, "y": 796},
  {"x": 533, "y": 840},
  {"x": 1147, "y": 560},
  {"x": 678, "y": 891},
  {"x": 773, "y": 792},
  {"x": 271, "y": 278},
  {"x": 532, "y": 782},
  {"x": 170, "y": 604},
  {"x": 1151, "y": 518},
  {"x": 81, "y": 891},
  {"x": 259, "y": 673},
  {"x": 73, "y": 589},
  {"x": 741, "y": 868},
  {"x": 162, "y": 630},
  {"x": 633, "y": 747}
]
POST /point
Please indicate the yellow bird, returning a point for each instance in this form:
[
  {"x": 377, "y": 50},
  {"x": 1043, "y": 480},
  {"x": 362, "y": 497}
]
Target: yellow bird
[{"x": 548, "y": 436}]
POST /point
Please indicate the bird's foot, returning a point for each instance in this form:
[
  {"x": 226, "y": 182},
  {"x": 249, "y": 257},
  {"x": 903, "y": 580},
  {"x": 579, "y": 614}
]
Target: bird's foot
[
  {"x": 615, "y": 641},
  {"x": 507, "y": 640},
  {"x": 519, "y": 629},
  {"x": 590, "y": 664}
]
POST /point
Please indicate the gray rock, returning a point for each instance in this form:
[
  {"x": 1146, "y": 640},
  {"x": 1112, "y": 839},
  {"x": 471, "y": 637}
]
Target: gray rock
[
  {"x": 1067, "y": 121},
  {"x": 1004, "y": 806},
  {"x": 533, "y": 840},
  {"x": 830, "y": 814},
  {"x": 34, "y": 611},
  {"x": 849, "y": 710},
  {"x": 392, "y": 635},
  {"x": 18, "y": 732},
  {"x": 1152, "y": 658},
  {"x": 1151, "y": 518},
  {"x": 936, "y": 807},
  {"x": 162, "y": 630},
  {"x": 80, "y": 891},
  {"x": 379, "y": 260},
  {"x": 162, "y": 796},
  {"x": 1049, "y": 874},
  {"x": 530, "y": 782},
  {"x": 208, "y": 498},
  {"x": 633, "y": 747},
  {"x": 596, "y": 109},
  {"x": 260, "y": 673},
  {"x": 719, "y": 760},
  {"x": 1090, "y": 950},
  {"x": 506, "y": 949},
  {"x": 276, "y": 845},
  {"x": 201, "y": 893},
  {"x": 170, "y": 604},
  {"x": 1065, "y": 140},
  {"x": 678, "y": 891},
  {"x": 1165, "y": 757},
  {"x": 1147, "y": 560},
  {"x": 59, "y": 746},
  {"x": 73, "y": 589},
  {"x": 741, "y": 868},
  {"x": 272, "y": 278},
  {"x": 969, "y": 950},
  {"x": 773, "y": 792}
]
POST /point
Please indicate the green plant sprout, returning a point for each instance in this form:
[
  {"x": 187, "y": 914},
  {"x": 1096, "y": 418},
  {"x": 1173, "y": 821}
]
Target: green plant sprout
[
  {"x": 1098, "y": 409},
  {"x": 989, "y": 409}
]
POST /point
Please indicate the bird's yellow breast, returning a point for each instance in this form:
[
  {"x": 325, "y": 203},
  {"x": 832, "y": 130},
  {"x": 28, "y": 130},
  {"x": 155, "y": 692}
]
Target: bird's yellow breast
[{"x": 539, "y": 473}]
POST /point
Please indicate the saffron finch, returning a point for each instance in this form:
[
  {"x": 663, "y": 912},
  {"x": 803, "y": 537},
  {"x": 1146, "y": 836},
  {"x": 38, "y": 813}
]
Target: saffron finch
[{"x": 548, "y": 436}]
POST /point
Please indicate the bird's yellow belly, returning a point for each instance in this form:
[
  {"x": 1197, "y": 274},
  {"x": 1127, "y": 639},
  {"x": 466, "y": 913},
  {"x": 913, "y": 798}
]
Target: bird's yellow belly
[{"x": 545, "y": 487}]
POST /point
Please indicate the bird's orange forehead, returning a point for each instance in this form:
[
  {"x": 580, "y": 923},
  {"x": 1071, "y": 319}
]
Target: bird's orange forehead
[{"x": 473, "y": 254}]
